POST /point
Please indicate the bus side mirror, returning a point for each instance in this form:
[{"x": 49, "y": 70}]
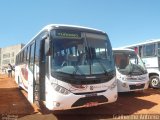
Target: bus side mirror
[
  {"x": 47, "y": 46},
  {"x": 144, "y": 63}
]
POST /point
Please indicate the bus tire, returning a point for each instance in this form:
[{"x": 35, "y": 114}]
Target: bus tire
[
  {"x": 42, "y": 108},
  {"x": 20, "y": 88},
  {"x": 154, "y": 81}
]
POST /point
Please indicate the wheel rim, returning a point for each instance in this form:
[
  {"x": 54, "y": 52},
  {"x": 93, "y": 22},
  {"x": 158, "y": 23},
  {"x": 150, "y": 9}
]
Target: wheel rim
[{"x": 154, "y": 82}]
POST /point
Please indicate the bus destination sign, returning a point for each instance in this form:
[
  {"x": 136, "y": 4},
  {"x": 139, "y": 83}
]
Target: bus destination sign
[{"x": 68, "y": 34}]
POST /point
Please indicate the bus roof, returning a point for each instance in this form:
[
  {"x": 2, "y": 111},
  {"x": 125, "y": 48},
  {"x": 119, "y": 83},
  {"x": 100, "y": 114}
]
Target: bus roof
[
  {"x": 62, "y": 26},
  {"x": 142, "y": 43},
  {"x": 122, "y": 49},
  {"x": 51, "y": 26}
]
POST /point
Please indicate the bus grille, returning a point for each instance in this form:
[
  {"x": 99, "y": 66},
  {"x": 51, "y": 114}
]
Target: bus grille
[
  {"x": 85, "y": 100},
  {"x": 133, "y": 87}
]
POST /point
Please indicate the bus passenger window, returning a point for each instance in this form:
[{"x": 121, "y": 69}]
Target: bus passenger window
[
  {"x": 140, "y": 51},
  {"x": 158, "y": 49},
  {"x": 149, "y": 50},
  {"x": 31, "y": 60}
]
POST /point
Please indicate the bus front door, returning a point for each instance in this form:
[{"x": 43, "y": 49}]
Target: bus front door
[{"x": 39, "y": 92}]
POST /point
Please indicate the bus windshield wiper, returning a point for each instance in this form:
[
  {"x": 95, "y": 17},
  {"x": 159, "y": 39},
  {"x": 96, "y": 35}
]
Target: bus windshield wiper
[
  {"x": 77, "y": 69},
  {"x": 104, "y": 69}
]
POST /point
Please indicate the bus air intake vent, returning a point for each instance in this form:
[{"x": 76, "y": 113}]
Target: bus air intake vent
[
  {"x": 133, "y": 87},
  {"x": 85, "y": 100}
]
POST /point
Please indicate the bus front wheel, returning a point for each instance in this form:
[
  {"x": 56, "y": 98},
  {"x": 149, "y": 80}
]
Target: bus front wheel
[
  {"x": 20, "y": 88},
  {"x": 154, "y": 81},
  {"x": 42, "y": 107}
]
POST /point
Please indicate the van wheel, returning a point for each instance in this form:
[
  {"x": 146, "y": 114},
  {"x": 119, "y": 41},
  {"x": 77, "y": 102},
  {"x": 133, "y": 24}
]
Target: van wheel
[{"x": 154, "y": 81}]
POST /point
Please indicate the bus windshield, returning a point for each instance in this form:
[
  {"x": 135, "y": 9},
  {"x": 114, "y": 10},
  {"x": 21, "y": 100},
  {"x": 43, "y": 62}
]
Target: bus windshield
[
  {"x": 129, "y": 63},
  {"x": 82, "y": 56}
]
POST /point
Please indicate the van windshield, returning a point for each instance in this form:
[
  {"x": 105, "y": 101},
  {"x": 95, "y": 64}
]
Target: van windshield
[{"x": 129, "y": 63}]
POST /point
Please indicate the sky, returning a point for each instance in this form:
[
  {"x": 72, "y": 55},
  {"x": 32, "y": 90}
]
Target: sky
[{"x": 125, "y": 21}]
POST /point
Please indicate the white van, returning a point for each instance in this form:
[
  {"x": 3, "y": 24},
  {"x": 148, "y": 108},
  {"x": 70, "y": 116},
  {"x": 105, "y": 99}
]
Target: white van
[{"x": 131, "y": 72}]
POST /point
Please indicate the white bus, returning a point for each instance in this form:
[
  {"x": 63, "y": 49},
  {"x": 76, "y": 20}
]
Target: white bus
[
  {"x": 149, "y": 51},
  {"x": 61, "y": 68},
  {"x": 131, "y": 72}
]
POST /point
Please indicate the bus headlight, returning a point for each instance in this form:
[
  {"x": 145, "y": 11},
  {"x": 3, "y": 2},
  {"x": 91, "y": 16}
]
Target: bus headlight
[
  {"x": 113, "y": 85},
  {"x": 60, "y": 89}
]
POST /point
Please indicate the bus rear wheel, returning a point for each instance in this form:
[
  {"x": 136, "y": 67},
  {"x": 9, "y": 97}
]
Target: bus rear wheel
[{"x": 154, "y": 81}]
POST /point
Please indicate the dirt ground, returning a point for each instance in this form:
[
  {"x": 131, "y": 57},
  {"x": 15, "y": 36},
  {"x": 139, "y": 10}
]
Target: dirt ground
[{"x": 14, "y": 105}]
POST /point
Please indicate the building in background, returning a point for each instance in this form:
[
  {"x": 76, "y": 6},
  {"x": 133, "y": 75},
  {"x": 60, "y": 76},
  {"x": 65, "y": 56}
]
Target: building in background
[
  {"x": 8, "y": 55},
  {"x": 0, "y": 57}
]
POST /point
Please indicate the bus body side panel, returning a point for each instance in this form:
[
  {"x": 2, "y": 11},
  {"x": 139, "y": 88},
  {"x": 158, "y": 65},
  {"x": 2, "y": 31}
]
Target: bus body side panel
[
  {"x": 24, "y": 79},
  {"x": 21, "y": 76},
  {"x": 30, "y": 87},
  {"x": 151, "y": 62},
  {"x": 31, "y": 77},
  {"x": 17, "y": 72}
]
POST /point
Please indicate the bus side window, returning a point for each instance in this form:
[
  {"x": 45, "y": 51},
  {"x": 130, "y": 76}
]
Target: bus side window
[
  {"x": 140, "y": 51},
  {"x": 149, "y": 50},
  {"x": 31, "y": 59},
  {"x": 42, "y": 51},
  {"x": 37, "y": 52},
  {"x": 158, "y": 49},
  {"x": 25, "y": 52},
  {"x": 28, "y": 52}
]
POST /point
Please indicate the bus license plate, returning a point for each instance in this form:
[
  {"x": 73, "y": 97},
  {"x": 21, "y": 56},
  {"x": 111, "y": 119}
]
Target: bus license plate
[
  {"x": 90, "y": 95},
  {"x": 90, "y": 104},
  {"x": 138, "y": 84}
]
